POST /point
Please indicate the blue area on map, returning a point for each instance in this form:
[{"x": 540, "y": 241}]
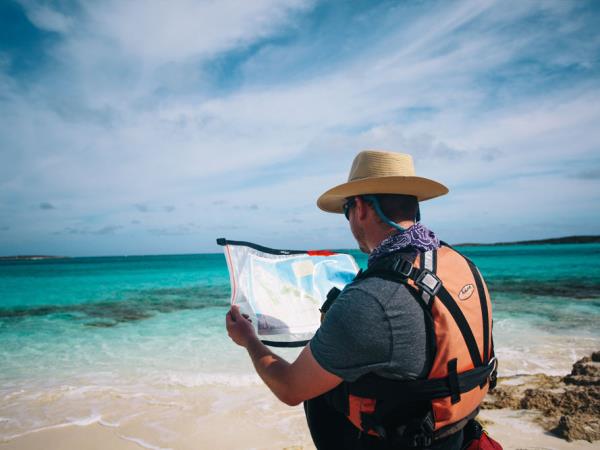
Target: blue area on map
[{"x": 329, "y": 271}]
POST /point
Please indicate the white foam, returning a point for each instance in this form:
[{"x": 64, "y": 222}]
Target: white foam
[
  {"x": 143, "y": 443},
  {"x": 106, "y": 423},
  {"x": 85, "y": 421},
  {"x": 206, "y": 379}
]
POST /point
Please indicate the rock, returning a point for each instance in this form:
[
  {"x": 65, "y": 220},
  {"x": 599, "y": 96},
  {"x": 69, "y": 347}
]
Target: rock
[
  {"x": 503, "y": 397},
  {"x": 586, "y": 371},
  {"x": 587, "y": 366},
  {"x": 580, "y": 380},
  {"x": 539, "y": 399},
  {"x": 569, "y": 406},
  {"x": 580, "y": 426}
]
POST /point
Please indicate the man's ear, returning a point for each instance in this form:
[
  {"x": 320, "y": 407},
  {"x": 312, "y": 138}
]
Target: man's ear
[{"x": 362, "y": 208}]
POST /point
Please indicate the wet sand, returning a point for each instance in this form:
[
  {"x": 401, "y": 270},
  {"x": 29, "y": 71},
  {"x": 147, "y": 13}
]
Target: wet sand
[{"x": 250, "y": 418}]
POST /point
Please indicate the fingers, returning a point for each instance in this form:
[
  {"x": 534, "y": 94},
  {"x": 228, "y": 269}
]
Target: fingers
[
  {"x": 229, "y": 320},
  {"x": 234, "y": 314}
]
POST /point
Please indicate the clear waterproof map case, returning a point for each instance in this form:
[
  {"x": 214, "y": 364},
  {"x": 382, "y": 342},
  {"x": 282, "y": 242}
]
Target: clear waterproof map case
[{"x": 282, "y": 290}]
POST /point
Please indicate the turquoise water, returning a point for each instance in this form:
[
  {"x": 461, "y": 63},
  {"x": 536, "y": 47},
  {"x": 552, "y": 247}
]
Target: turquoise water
[
  {"x": 552, "y": 286},
  {"x": 138, "y": 324}
]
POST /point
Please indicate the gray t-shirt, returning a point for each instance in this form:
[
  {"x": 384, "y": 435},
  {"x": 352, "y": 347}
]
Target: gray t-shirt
[{"x": 375, "y": 325}]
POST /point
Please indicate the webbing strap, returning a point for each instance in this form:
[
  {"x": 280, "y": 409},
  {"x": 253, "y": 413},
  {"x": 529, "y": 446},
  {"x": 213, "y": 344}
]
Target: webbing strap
[
  {"x": 484, "y": 310},
  {"x": 374, "y": 386},
  {"x": 427, "y": 264},
  {"x": 462, "y": 323},
  {"x": 453, "y": 381}
]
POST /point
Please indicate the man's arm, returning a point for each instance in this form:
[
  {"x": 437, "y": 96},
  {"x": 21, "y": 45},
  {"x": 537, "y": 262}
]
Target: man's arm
[{"x": 291, "y": 383}]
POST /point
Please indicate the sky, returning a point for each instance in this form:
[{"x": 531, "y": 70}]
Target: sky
[{"x": 155, "y": 127}]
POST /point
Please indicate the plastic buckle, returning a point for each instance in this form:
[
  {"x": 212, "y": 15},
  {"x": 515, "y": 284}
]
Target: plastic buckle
[
  {"x": 428, "y": 282},
  {"x": 403, "y": 267},
  {"x": 428, "y": 423},
  {"x": 368, "y": 423},
  {"x": 493, "y": 377},
  {"x": 381, "y": 433},
  {"x": 421, "y": 440}
]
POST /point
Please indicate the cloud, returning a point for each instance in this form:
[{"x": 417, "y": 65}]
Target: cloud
[
  {"x": 250, "y": 207},
  {"x": 109, "y": 229},
  {"x": 45, "y": 17},
  {"x": 141, "y": 207},
  {"x": 176, "y": 230},
  {"x": 47, "y": 206},
  {"x": 102, "y": 231},
  {"x": 230, "y": 227},
  {"x": 588, "y": 174},
  {"x": 270, "y": 100},
  {"x": 159, "y": 33}
]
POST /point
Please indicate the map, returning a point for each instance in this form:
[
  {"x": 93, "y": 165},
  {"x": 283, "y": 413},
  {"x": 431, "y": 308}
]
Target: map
[{"x": 282, "y": 290}]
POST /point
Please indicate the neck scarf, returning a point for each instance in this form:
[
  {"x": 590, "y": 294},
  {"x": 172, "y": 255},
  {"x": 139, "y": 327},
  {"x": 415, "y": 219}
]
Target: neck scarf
[{"x": 417, "y": 236}]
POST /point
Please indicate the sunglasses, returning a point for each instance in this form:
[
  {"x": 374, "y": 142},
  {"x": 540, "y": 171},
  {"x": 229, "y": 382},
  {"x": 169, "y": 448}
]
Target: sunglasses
[{"x": 346, "y": 207}]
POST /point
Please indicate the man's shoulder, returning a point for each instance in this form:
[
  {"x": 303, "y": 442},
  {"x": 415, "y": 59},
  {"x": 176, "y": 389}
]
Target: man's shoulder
[
  {"x": 372, "y": 283},
  {"x": 373, "y": 288}
]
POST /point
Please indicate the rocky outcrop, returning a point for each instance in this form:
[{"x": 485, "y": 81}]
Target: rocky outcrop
[
  {"x": 569, "y": 406},
  {"x": 586, "y": 371}
]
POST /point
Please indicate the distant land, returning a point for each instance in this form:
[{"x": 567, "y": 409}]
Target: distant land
[
  {"x": 29, "y": 257},
  {"x": 560, "y": 240}
]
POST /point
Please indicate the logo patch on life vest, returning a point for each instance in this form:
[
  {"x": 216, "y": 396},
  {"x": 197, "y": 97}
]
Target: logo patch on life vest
[{"x": 466, "y": 292}]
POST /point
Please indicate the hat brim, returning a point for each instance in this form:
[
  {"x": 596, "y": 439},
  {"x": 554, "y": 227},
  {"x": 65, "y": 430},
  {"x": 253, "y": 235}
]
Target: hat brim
[{"x": 422, "y": 188}]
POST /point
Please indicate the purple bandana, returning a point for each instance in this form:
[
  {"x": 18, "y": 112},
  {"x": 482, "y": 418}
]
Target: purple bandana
[{"x": 417, "y": 236}]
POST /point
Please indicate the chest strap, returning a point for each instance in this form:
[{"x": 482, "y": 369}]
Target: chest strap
[{"x": 374, "y": 386}]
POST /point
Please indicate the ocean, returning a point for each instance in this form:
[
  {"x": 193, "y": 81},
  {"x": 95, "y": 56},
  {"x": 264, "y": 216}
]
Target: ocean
[{"x": 111, "y": 339}]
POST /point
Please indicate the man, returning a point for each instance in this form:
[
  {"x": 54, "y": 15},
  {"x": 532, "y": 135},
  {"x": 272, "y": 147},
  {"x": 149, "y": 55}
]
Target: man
[{"x": 419, "y": 312}]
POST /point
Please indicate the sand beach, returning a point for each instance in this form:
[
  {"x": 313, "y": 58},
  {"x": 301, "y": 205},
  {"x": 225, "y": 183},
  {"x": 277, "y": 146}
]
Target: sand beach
[{"x": 251, "y": 418}]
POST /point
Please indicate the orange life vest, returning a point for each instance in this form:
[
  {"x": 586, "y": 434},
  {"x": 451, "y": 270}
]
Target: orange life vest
[{"x": 452, "y": 292}]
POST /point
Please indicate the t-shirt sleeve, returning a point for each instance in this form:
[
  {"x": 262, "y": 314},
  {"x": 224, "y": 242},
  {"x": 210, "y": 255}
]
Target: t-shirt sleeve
[{"x": 354, "y": 338}]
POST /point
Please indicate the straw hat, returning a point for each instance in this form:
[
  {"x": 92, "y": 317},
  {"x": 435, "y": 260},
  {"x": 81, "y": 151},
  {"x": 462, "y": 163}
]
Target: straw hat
[{"x": 377, "y": 172}]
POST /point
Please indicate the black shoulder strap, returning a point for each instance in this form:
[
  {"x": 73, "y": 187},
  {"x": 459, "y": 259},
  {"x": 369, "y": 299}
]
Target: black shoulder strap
[
  {"x": 484, "y": 309},
  {"x": 484, "y": 312},
  {"x": 463, "y": 325}
]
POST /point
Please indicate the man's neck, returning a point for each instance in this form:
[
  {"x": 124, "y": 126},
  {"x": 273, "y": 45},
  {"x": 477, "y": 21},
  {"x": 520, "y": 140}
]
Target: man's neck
[{"x": 384, "y": 232}]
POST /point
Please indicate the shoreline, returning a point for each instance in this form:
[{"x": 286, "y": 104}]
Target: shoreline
[
  {"x": 247, "y": 417},
  {"x": 250, "y": 417},
  {"x": 579, "y": 239},
  {"x": 591, "y": 239},
  {"x": 31, "y": 257}
]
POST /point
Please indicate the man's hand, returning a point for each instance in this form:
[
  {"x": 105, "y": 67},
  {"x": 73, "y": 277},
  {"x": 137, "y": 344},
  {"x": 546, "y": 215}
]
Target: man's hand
[
  {"x": 239, "y": 327},
  {"x": 291, "y": 383}
]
